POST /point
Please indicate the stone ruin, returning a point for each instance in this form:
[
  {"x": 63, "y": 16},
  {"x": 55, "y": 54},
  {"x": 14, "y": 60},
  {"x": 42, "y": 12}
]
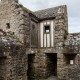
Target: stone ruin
[{"x": 37, "y": 45}]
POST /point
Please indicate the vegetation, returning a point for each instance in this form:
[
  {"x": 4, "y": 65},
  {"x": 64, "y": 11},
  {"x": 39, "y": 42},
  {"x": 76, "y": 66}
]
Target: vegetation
[
  {"x": 13, "y": 33},
  {"x": 63, "y": 44},
  {"x": 20, "y": 5},
  {"x": 65, "y": 35},
  {"x": 26, "y": 9}
]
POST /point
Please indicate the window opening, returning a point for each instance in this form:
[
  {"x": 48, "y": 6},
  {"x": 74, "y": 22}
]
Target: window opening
[
  {"x": 8, "y": 25},
  {"x": 47, "y": 29}
]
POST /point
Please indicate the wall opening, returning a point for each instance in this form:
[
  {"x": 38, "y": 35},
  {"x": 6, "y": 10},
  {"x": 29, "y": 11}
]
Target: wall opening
[
  {"x": 2, "y": 68},
  {"x": 8, "y": 25},
  {"x": 70, "y": 59},
  {"x": 31, "y": 69},
  {"x": 51, "y": 64},
  {"x": 47, "y": 29}
]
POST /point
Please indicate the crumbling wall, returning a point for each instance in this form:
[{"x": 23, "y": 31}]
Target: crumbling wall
[
  {"x": 72, "y": 47},
  {"x": 14, "y": 21},
  {"x": 18, "y": 65},
  {"x": 13, "y": 59}
]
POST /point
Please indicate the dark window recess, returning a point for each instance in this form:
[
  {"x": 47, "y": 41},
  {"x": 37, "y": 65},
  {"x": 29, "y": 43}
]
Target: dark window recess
[
  {"x": 69, "y": 58},
  {"x": 8, "y": 25},
  {"x": 47, "y": 29}
]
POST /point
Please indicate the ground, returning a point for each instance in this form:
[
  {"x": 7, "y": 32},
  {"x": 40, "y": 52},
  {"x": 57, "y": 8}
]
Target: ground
[{"x": 52, "y": 78}]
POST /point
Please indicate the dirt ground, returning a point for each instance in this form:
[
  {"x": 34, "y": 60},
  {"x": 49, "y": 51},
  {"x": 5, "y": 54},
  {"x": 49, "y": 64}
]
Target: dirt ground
[{"x": 52, "y": 78}]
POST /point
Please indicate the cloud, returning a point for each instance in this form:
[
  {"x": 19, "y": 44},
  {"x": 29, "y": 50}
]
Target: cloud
[{"x": 72, "y": 5}]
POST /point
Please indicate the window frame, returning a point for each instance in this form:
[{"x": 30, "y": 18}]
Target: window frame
[{"x": 45, "y": 29}]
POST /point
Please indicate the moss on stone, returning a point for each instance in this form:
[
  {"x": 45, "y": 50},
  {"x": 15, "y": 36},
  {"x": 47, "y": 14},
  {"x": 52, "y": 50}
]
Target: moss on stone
[
  {"x": 26, "y": 9},
  {"x": 65, "y": 35},
  {"x": 13, "y": 33},
  {"x": 63, "y": 44}
]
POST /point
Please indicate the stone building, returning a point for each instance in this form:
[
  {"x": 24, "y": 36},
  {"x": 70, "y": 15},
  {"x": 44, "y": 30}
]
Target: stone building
[{"x": 37, "y": 45}]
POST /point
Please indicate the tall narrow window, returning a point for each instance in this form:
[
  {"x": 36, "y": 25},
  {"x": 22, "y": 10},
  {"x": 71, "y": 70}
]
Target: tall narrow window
[
  {"x": 8, "y": 25},
  {"x": 46, "y": 29}
]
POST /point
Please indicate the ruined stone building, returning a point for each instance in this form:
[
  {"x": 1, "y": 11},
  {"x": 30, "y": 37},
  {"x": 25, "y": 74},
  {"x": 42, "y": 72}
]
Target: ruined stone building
[{"x": 37, "y": 45}]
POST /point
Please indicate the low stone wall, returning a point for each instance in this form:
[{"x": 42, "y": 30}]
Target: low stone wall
[
  {"x": 14, "y": 66},
  {"x": 72, "y": 72}
]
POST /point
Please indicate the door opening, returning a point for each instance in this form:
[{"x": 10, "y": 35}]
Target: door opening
[
  {"x": 31, "y": 66},
  {"x": 51, "y": 64}
]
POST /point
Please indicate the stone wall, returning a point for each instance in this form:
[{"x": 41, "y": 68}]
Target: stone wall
[
  {"x": 72, "y": 48},
  {"x": 64, "y": 70},
  {"x": 18, "y": 62},
  {"x": 15, "y": 20},
  {"x": 61, "y": 33},
  {"x": 13, "y": 59},
  {"x": 61, "y": 25},
  {"x": 14, "y": 23},
  {"x": 39, "y": 65}
]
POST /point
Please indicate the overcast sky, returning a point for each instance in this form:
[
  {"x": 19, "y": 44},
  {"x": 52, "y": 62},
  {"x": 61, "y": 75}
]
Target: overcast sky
[{"x": 72, "y": 5}]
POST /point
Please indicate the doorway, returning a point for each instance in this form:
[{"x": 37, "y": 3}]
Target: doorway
[
  {"x": 31, "y": 66},
  {"x": 51, "y": 64}
]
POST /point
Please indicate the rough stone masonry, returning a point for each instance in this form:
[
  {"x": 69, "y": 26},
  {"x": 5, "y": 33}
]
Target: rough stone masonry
[{"x": 37, "y": 45}]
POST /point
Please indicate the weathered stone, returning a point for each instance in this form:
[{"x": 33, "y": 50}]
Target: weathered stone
[{"x": 22, "y": 58}]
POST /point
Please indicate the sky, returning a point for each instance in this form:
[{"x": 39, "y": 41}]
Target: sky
[{"x": 73, "y": 8}]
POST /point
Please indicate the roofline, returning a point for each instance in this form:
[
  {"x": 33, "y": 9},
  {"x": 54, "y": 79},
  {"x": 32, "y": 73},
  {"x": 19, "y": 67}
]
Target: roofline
[
  {"x": 32, "y": 15},
  {"x": 74, "y": 33},
  {"x": 39, "y": 20},
  {"x": 49, "y": 8},
  {"x": 49, "y": 18}
]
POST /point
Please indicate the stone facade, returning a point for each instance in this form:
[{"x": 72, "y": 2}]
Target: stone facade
[
  {"x": 12, "y": 28},
  {"x": 13, "y": 19},
  {"x": 23, "y": 54}
]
